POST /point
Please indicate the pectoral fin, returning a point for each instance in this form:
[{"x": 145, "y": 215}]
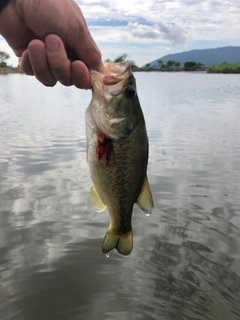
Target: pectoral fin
[
  {"x": 94, "y": 201},
  {"x": 145, "y": 200}
]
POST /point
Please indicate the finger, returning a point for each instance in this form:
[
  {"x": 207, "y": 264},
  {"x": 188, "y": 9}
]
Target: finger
[
  {"x": 80, "y": 75},
  {"x": 81, "y": 42},
  {"x": 87, "y": 51},
  {"x": 38, "y": 59},
  {"x": 58, "y": 61},
  {"x": 25, "y": 64}
]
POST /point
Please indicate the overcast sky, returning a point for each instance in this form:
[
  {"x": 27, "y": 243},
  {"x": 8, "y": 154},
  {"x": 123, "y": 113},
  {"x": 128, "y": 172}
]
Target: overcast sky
[{"x": 149, "y": 29}]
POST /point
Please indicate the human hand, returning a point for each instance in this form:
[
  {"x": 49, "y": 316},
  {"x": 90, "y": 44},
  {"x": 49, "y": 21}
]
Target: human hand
[{"x": 52, "y": 40}]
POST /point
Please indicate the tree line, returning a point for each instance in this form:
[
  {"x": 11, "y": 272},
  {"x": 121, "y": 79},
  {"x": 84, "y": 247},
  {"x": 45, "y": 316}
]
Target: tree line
[
  {"x": 171, "y": 64},
  {"x": 121, "y": 58},
  {"x": 225, "y": 68}
]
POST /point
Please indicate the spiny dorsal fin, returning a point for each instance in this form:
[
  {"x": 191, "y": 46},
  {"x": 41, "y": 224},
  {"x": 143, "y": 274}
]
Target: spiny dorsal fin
[
  {"x": 145, "y": 200},
  {"x": 94, "y": 201}
]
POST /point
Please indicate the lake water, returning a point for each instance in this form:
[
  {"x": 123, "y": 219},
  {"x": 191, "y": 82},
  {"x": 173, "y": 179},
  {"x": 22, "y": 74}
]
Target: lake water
[{"x": 185, "y": 263}]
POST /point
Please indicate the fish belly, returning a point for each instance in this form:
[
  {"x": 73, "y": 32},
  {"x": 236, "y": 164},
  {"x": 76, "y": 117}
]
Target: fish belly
[{"x": 118, "y": 169}]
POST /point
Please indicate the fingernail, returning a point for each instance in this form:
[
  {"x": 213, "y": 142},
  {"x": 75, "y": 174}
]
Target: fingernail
[{"x": 52, "y": 46}]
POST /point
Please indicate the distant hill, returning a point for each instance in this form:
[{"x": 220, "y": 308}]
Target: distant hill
[{"x": 208, "y": 57}]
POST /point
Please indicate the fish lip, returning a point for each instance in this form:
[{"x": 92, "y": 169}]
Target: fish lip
[
  {"x": 114, "y": 74},
  {"x": 112, "y": 81},
  {"x": 117, "y": 68},
  {"x": 96, "y": 77}
]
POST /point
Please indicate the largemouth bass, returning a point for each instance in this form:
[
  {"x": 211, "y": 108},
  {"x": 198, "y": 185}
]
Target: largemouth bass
[{"x": 117, "y": 153}]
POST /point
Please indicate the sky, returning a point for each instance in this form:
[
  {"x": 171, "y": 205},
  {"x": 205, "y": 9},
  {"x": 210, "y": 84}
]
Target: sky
[{"x": 149, "y": 29}]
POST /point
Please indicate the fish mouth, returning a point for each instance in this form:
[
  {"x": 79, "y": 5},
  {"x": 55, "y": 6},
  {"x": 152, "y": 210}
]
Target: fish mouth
[
  {"x": 113, "y": 78},
  {"x": 110, "y": 111},
  {"x": 116, "y": 73}
]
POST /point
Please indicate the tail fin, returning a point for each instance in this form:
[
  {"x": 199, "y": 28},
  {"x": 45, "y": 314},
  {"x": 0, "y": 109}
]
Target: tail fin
[{"x": 122, "y": 242}]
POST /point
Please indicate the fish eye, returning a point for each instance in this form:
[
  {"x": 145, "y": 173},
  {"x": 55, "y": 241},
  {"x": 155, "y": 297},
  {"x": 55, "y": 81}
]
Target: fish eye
[{"x": 130, "y": 92}]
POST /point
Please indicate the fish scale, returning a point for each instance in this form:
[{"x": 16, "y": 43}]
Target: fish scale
[{"x": 117, "y": 153}]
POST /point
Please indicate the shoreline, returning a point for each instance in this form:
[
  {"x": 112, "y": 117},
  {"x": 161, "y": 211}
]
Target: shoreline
[
  {"x": 167, "y": 70},
  {"x": 10, "y": 70}
]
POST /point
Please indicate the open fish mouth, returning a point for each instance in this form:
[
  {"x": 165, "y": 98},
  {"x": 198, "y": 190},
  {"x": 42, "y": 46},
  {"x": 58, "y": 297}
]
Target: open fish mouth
[
  {"x": 116, "y": 68},
  {"x": 113, "y": 100},
  {"x": 116, "y": 73},
  {"x": 113, "y": 78}
]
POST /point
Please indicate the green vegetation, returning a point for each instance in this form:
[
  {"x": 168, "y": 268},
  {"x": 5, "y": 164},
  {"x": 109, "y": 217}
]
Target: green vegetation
[
  {"x": 122, "y": 58},
  {"x": 193, "y": 66},
  {"x": 4, "y": 68},
  {"x": 160, "y": 62},
  {"x": 177, "y": 64},
  {"x": 4, "y": 56},
  {"x": 225, "y": 68},
  {"x": 9, "y": 70},
  {"x": 171, "y": 65}
]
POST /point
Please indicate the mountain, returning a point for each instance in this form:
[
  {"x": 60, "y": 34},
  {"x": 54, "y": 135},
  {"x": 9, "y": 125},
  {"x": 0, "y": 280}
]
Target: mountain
[{"x": 208, "y": 57}]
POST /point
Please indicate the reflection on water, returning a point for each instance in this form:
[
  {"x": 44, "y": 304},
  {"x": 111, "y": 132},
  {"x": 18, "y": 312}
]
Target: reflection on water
[{"x": 186, "y": 261}]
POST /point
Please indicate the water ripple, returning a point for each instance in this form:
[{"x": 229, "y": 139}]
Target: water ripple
[{"x": 185, "y": 262}]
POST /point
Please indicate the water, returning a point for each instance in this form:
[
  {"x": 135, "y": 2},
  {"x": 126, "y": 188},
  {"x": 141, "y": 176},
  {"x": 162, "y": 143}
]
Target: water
[{"x": 186, "y": 259}]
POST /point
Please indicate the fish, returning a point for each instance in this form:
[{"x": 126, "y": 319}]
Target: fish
[{"x": 117, "y": 153}]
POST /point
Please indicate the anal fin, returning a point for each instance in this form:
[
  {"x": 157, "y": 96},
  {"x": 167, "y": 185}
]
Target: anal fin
[
  {"x": 145, "y": 200},
  {"x": 94, "y": 201}
]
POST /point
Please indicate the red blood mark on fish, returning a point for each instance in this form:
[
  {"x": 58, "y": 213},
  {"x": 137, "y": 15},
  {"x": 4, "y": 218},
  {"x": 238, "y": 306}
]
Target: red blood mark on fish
[{"x": 104, "y": 147}]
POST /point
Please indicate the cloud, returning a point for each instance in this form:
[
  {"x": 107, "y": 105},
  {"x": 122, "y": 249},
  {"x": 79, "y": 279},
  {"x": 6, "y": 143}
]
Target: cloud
[
  {"x": 166, "y": 26},
  {"x": 143, "y": 31},
  {"x": 169, "y": 25},
  {"x": 160, "y": 31},
  {"x": 173, "y": 33}
]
